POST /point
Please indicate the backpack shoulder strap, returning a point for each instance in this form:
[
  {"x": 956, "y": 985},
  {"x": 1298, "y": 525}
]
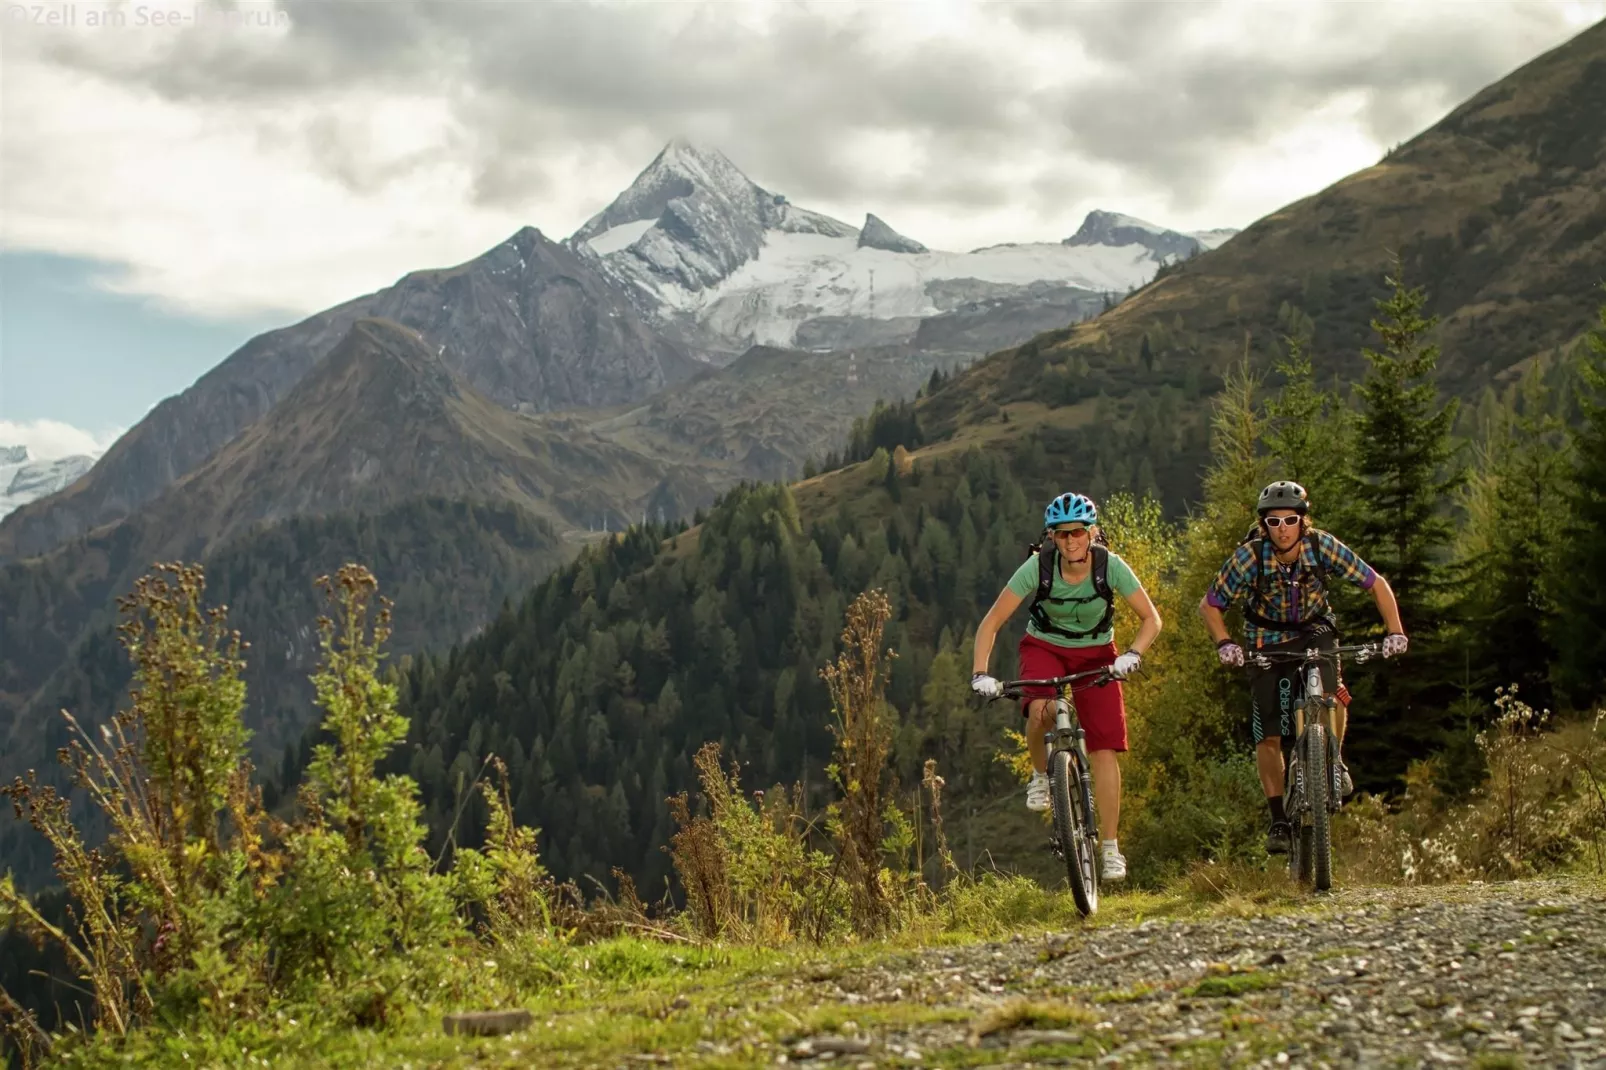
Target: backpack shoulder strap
[
  {"x": 1257, "y": 546},
  {"x": 1316, "y": 555},
  {"x": 1047, "y": 560},
  {"x": 1101, "y": 574}
]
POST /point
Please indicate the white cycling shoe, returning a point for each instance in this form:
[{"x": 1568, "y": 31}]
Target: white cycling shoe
[
  {"x": 1037, "y": 792},
  {"x": 1112, "y": 866}
]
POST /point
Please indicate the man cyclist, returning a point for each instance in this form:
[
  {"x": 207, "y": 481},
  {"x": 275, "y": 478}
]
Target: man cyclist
[
  {"x": 1072, "y": 583},
  {"x": 1280, "y": 573}
]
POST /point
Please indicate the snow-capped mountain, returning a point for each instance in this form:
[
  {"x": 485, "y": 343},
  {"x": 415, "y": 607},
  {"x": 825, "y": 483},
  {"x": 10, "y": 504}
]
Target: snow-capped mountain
[
  {"x": 691, "y": 219},
  {"x": 23, "y": 479},
  {"x": 1115, "y": 230},
  {"x": 694, "y": 239}
]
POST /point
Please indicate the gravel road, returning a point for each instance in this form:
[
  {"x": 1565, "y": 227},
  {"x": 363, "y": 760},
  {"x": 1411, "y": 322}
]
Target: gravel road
[{"x": 1497, "y": 975}]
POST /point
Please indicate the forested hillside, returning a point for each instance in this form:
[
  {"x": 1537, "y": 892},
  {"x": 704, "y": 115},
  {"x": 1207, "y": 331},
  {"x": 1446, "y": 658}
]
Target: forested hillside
[
  {"x": 447, "y": 565},
  {"x": 603, "y": 682}
]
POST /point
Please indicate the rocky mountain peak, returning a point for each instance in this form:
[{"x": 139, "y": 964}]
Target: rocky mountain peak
[
  {"x": 24, "y": 479},
  {"x": 689, "y": 220},
  {"x": 679, "y": 171},
  {"x": 877, "y": 235},
  {"x": 1114, "y": 229}
]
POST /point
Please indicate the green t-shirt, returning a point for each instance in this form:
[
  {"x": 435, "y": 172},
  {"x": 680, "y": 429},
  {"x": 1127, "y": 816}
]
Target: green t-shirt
[{"x": 1074, "y": 616}]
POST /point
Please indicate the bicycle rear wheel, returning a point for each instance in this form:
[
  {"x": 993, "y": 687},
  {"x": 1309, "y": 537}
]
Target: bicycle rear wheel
[
  {"x": 1316, "y": 792},
  {"x": 1073, "y": 829}
]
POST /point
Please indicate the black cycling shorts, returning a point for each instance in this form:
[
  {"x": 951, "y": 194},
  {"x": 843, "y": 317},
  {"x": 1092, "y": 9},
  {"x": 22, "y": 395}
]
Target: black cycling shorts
[{"x": 1274, "y": 691}]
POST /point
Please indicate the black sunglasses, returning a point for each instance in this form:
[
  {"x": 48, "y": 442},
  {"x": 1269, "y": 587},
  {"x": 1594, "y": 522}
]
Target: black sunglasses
[{"x": 1279, "y": 521}]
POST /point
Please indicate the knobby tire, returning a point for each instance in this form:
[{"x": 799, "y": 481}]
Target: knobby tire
[
  {"x": 1070, "y": 826},
  {"x": 1317, "y": 787}
]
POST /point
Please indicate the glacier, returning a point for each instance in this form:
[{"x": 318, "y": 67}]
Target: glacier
[
  {"x": 24, "y": 479},
  {"x": 694, "y": 238}
]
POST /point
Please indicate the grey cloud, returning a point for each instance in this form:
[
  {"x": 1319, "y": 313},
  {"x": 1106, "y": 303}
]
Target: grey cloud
[
  {"x": 785, "y": 103},
  {"x": 1176, "y": 119}
]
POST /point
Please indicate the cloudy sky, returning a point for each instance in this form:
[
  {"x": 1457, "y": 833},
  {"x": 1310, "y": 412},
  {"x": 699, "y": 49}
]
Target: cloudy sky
[{"x": 169, "y": 190}]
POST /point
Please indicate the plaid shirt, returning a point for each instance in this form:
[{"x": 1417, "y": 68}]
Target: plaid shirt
[{"x": 1287, "y": 593}]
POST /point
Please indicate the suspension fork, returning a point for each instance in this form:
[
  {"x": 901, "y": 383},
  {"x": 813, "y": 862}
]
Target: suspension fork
[{"x": 1067, "y": 731}]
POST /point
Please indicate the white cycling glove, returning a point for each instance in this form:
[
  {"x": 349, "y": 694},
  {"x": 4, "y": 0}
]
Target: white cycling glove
[
  {"x": 1125, "y": 664},
  {"x": 986, "y": 686},
  {"x": 1230, "y": 653},
  {"x": 1394, "y": 645}
]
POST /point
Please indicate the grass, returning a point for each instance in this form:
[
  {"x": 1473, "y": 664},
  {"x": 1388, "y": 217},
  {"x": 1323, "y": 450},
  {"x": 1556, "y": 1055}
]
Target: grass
[
  {"x": 958, "y": 1058},
  {"x": 1140, "y": 991},
  {"x": 1031, "y": 1014},
  {"x": 599, "y": 1003},
  {"x": 1498, "y": 1061},
  {"x": 1233, "y": 984},
  {"x": 718, "y": 1006}
]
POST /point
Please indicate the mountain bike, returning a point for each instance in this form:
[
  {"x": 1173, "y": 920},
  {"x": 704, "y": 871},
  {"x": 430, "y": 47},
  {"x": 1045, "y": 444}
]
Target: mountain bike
[
  {"x": 1070, "y": 786},
  {"x": 1311, "y": 790}
]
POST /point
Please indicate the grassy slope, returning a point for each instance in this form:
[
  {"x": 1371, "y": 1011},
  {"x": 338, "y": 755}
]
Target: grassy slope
[
  {"x": 1499, "y": 211},
  {"x": 632, "y": 1000},
  {"x": 632, "y": 995}
]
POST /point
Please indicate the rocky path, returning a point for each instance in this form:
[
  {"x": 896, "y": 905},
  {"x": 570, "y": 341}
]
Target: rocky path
[{"x": 1510, "y": 975}]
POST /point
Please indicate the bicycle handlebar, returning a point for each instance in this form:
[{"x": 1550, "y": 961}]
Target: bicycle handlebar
[
  {"x": 1013, "y": 688},
  {"x": 1362, "y": 652}
]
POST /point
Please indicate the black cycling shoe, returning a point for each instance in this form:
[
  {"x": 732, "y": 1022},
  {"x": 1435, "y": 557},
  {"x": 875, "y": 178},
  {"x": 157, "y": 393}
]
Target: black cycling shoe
[{"x": 1280, "y": 838}]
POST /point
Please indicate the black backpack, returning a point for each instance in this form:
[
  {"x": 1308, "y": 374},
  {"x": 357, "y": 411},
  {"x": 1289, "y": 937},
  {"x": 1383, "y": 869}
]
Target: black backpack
[
  {"x": 1256, "y": 540},
  {"x": 1047, "y": 565}
]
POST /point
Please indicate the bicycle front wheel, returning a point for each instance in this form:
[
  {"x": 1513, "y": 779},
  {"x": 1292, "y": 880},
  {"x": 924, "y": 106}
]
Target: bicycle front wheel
[
  {"x": 1073, "y": 827},
  {"x": 1316, "y": 791}
]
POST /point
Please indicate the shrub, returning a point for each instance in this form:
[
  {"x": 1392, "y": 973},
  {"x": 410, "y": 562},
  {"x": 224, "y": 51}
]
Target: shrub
[
  {"x": 1542, "y": 807},
  {"x": 202, "y": 912},
  {"x": 748, "y": 871}
]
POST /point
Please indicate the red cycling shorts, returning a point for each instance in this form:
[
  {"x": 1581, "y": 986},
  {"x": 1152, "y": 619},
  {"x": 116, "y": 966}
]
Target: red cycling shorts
[{"x": 1101, "y": 709}]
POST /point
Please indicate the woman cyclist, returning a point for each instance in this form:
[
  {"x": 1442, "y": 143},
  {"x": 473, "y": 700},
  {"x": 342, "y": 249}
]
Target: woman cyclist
[{"x": 1070, "y": 631}]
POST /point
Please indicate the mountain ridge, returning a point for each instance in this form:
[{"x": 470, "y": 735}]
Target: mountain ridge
[
  {"x": 528, "y": 323},
  {"x": 709, "y": 254},
  {"x": 1498, "y": 211}
]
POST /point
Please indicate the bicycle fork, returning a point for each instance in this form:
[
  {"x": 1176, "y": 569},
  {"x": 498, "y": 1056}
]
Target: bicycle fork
[
  {"x": 1069, "y": 736},
  {"x": 1296, "y": 771}
]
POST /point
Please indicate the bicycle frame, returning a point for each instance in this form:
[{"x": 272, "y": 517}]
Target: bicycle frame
[{"x": 1067, "y": 731}]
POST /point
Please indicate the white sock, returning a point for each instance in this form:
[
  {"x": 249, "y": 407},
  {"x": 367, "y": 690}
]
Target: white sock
[{"x": 1109, "y": 845}]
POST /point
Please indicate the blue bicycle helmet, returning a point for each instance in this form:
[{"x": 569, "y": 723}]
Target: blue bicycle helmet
[{"x": 1070, "y": 508}]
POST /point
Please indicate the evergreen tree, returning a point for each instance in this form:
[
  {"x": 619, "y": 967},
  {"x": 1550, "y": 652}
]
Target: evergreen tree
[
  {"x": 1508, "y": 544},
  {"x": 1309, "y": 434},
  {"x": 1579, "y": 576},
  {"x": 1398, "y": 491},
  {"x": 1403, "y": 449}
]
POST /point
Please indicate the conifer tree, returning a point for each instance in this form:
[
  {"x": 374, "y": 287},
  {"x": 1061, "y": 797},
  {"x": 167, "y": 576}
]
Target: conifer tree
[
  {"x": 1579, "y": 576},
  {"x": 1402, "y": 475},
  {"x": 1397, "y": 493},
  {"x": 1309, "y": 434},
  {"x": 1514, "y": 502}
]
